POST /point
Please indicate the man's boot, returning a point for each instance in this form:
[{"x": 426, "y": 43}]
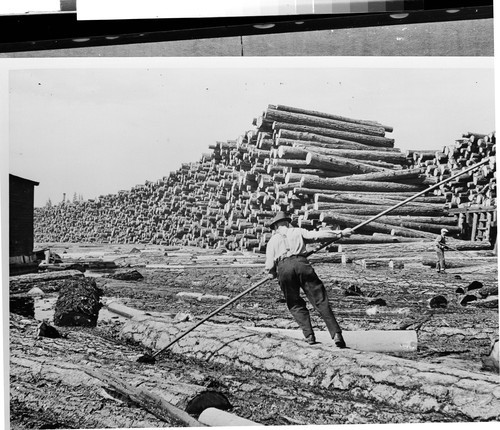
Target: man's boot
[
  {"x": 339, "y": 340},
  {"x": 311, "y": 339}
]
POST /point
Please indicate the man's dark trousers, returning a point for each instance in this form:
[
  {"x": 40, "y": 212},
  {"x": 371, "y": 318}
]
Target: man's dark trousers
[{"x": 294, "y": 273}]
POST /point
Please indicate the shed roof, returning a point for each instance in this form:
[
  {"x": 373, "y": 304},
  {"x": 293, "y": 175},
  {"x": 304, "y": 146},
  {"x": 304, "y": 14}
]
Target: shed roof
[{"x": 23, "y": 179}]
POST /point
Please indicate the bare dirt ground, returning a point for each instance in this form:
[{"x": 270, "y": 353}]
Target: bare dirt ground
[{"x": 179, "y": 281}]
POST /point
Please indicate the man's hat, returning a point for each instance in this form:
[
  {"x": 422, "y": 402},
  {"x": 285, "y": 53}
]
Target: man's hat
[
  {"x": 280, "y": 216},
  {"x": 443, "y": 230}
]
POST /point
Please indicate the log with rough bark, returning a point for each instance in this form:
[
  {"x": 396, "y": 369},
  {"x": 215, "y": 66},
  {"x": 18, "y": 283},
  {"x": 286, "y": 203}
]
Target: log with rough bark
[
  {"x": 348, "y": 220},
  {"x": 285, "y": 136},
  {"x": 346, "y": 165},
  {"x": 357, "y": 209},
  {"x": 315, "y": 121},
  {"x": 329, "y": 116},
  {"x": 375, "y": 377},
  {"x": 378, "y": 199},
  {"x": 152, "y": 403},
  {"x": 82, "y": 369},
  {"x": 22, "y": 283},
  {"x": 365, "y": 139},
  {"x": 390, "y": 157},
  {"x": 343, "y": 184},
  {"x": 389, "y": 175}
]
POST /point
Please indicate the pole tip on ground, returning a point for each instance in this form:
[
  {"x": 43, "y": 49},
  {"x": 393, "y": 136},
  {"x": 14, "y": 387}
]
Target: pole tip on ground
[{"x": 146, "y": 359}]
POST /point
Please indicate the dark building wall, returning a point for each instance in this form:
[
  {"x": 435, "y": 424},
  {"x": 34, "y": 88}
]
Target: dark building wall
[
  {"x": 21, "y": 197},
  {"x": 450, "y": 38}
]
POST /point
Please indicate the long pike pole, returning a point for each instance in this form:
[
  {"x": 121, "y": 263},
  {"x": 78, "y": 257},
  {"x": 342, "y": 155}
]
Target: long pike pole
[
  {"x": 150, "y": 358},
  {"x": 409, "y": 199}
]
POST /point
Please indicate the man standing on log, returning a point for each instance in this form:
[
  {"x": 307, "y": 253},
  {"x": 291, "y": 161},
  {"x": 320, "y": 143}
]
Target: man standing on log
[
  {"x": 440, "y": 243},
  {"x": 285, "y": 259}
]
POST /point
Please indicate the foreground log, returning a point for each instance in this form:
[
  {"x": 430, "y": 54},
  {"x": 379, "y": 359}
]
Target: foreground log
[
  {"x": 375, "y": 377},
  {"x": 144, "y": 398},
  {"x": 75, "y": 374},
  {"x": 388, "y": 175},
  {"x": 369, "y": 340},
  {"x": 214, "y": 417}
]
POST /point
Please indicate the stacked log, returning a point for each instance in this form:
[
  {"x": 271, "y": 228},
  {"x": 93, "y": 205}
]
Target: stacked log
[
  {"x": 320, "y": 168},
  {"x": 471, "y": 197}
]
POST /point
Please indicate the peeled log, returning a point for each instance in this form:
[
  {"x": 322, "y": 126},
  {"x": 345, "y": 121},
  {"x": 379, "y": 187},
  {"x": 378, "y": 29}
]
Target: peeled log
[
  {"x": 214, "y": 417},
  {"x": 381, "y": 378},
  {"x": 349, "y": 185},
  {"x": 78, "y": 304},
  {"x": 361, "y": 340},
  {"x": 378, "y": 141},
  {"x": 414, "y": 247}
]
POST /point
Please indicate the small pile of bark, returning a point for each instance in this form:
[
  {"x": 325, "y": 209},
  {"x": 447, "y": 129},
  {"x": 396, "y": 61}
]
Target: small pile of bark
[{"x": 78, "y": 304}]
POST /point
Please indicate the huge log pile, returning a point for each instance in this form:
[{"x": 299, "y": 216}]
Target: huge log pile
[{"x": 325, "y": 170}]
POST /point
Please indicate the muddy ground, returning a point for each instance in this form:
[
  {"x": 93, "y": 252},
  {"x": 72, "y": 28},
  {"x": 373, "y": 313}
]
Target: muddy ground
[{"x": 459, "y": 336}]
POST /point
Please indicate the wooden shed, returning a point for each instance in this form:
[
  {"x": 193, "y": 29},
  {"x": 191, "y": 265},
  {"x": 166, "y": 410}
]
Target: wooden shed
[{"x": 21, "y": 206}]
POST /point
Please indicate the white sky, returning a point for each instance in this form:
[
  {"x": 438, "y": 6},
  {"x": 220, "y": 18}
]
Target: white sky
[{"x": 95, "y": 126}]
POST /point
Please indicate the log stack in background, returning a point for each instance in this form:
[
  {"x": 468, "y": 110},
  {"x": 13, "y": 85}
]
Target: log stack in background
[{"x": 323, "y": 169}]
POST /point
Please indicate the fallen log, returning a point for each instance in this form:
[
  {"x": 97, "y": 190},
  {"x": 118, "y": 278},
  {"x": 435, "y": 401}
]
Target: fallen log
[
  {"x": 412, "y": 385},
  {"x": 154, "y": 404},
  {"x": 214, "y": 417},
  {"x": 75, "y": 368},
  {"x": 422, "y": 246},
  {"x": 44, "y": 277},
  {"x": 367, "y": 340}
]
